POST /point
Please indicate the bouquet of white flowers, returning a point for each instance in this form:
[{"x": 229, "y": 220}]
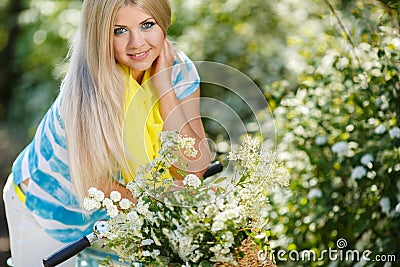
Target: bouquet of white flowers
[{"x": 203, "y": 224}]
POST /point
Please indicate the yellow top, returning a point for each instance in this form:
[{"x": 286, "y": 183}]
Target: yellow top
[
  {"x": 20, "y": 194},
  {"x": 142, "y": 123}
]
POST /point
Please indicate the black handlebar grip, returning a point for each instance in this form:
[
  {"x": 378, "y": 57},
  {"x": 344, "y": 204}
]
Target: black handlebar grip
[
  {"x": 214, "y": 168},
  {"x": 66, "y": 252}
]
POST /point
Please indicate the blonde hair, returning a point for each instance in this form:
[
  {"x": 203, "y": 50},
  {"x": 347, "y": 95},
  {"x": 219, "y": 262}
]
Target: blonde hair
[{"x": 93, "y": 94}]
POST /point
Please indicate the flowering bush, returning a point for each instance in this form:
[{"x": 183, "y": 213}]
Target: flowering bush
[
  {"x": 340, "y": 134},
  {"x": 202, "y": 224}
]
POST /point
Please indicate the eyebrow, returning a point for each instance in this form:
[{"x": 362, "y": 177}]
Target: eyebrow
[{"x": 144, "y": 21}]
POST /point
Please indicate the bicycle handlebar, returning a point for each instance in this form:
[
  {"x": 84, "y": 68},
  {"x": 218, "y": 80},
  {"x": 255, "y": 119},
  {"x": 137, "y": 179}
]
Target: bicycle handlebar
[
  {"x": 214, "y": 168},
  {"x": 99, "y": 228},
  {"x": 66, "y": 252},
  {"x": 70, "y": 250}
]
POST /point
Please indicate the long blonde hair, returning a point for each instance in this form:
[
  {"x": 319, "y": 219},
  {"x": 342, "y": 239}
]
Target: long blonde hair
[{"x": 93, "y": 93}]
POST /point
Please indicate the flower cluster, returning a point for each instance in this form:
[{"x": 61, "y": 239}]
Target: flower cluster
[
  {"x": 200, "y": 225},
  {"x": 154, "y": 177}
]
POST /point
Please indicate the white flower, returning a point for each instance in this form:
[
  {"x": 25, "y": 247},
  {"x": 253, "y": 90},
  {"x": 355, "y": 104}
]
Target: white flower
[
  {"x": 358, "y": 172},
  {"x": 92, "y": 191},
  {"x": 228, "y": 237},
  {"x": 156, "y": 253},
  {"x": 192, "y": 181},
  {"x": 90, "y": 204},
  {"x": 134, "y": 188},
  {"x": 132, "y": 216},
  {"x": 340, "y": 148},
  {"x": 125, "y": 204},
  {"x": 107, "y": 202},
  {"x": 99, "y": 196},
  {"x": 342, "y": 63},
  {"x": 320, "y": 140},
  {"x": 218, "y": 226},
  {"x": 155, "y": 239},
  {"x": 142, "y": 208},
  {"x": 115, "y": 196},
  {"x": 367, "y": 159},
  {"x": 147, "y": 242},
  {"x": 112, "y": 211},
  {"x": 314, "y": 193},
  {"x": 385, "y": 205},
  {"x": 134, "y": 229},
  {"x": 381, "y": 129},
  {"x": 146, "y": 253},
  {"x": 216, "y": 248},
  {"x": 397, "y": 209},
  {"x": 394, "y": 133}
]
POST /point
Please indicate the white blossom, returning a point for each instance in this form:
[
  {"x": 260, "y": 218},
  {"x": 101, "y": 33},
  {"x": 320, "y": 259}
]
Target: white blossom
[
  {"x": 314, "y": 193},
  {"x": 107, "y": 202},
  {"x": 112, "y": 211},
  {"x": 358, "y": 172},
  {"x": 147, "y": 242},
  {"x": 394, "y": 133},
  {"x": 385, "y": 205},
  {"x": 142, "y": 208},
  {"x": 134, "y": 228},
  {"x": 125, "y": 204},
  {"x": 367, "y": 159},
  {"x": 146, "y": 253},
  {"x": 340, "y": 148},
  {"x": 115, "y": 196},
  {"x": 342, "y": 63},
  {"x": 381, "y": 129},
  {"x": 320, "y": 140},
  {"x": 397, "y": 209},
  {"x": 192, "y": 181},
  {"x": 92, "y": 191},
  {"x": 90, "y": 204},
  {"x": 156, "y": 253},
  {"x": 99, "y": 196},
  {"x": 218, "y": 226}
]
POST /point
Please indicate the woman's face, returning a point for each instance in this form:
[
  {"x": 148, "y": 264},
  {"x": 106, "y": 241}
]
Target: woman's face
[{"x": 138, "y": 39}]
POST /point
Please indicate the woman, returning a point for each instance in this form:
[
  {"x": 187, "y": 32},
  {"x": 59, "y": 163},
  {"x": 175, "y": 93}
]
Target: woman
[{"x": 125, "y": 84}]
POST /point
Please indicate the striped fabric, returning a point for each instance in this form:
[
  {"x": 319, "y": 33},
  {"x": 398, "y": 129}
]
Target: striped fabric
[{"x": 50, "y": 194}]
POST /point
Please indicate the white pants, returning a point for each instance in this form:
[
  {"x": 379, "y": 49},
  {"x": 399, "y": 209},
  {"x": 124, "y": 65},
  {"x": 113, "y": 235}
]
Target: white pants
[{"x": 29, "y": 242}]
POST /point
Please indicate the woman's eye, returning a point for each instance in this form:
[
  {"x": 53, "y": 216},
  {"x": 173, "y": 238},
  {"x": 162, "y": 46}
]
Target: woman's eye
[
  {"x": 147, "y": 25},
  {"x": 119, "y": 31}
]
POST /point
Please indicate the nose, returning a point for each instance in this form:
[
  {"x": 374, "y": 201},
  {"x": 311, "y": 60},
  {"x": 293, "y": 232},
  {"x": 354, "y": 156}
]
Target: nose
[{"x": 136, "y": 39}]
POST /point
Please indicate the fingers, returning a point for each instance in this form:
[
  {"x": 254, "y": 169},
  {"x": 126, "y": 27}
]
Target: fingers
[
  {"x": 167, "y": 54},
  {"x": 165, "y": 59}
]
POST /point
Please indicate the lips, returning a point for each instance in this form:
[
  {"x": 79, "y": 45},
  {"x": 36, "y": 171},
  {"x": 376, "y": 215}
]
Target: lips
[{"x": 139, "y": 56}]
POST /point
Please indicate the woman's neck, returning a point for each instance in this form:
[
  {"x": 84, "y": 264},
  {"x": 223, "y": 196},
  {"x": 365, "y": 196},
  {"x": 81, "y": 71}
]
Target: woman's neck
[{"x": 137, "y": 75}]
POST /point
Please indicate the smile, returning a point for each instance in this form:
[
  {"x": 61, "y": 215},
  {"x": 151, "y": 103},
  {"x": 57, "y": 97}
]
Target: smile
[{"x": 139, "y": 56}]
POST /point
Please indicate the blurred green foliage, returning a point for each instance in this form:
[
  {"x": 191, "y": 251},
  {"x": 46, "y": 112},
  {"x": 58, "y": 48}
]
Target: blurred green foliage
[
  {"x": 34, "y": 43},
  {"x": 330, "y": 72},
  {"x": 339, "y": 136}
]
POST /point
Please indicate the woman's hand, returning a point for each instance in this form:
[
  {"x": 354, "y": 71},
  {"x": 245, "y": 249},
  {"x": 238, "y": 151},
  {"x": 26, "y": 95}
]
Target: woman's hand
[
  {"x": 161, "y": 71},
  {"x": 180, "y": 115}
]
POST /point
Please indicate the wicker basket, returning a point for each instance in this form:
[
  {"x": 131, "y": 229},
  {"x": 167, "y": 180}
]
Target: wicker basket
[{"x": 251, "y": 258}]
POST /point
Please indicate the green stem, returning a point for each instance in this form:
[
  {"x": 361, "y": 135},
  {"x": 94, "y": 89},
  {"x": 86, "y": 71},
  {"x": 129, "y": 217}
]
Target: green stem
[
  {"x": 391, "y": 11},
  {"x": 344, "y": 29}
]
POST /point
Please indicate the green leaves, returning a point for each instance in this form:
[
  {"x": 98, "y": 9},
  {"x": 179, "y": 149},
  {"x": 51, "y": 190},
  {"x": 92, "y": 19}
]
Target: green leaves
[{"x": 341, "y": 113}]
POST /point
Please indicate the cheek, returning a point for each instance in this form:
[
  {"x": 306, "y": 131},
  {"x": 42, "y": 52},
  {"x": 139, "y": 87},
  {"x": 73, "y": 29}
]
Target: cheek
[
  {"x": 117, "y": 47},
  {"x": 157, "y": 40}
]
